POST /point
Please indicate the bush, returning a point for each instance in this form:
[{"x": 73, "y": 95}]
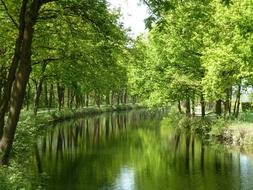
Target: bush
[
  {"x": 201, "y": 126},
  {"x": 218, "y": 128},
  {"x": 246, "y": 116},
  {"x": 197, "y": 125},
  {"x": 4, "y": 184},
  {"x": 185, "y": 122},
  {"x": 247, "y": 106}
]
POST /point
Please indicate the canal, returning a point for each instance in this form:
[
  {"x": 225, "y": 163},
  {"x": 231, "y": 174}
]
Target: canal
[{"x": 136, "y": 150}]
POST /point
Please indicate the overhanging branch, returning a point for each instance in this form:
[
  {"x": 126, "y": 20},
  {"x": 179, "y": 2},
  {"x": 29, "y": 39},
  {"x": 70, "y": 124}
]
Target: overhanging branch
[{"x": 45, "y": 61}]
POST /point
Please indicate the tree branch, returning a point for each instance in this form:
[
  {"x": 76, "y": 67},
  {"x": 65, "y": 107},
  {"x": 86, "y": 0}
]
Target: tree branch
[
  {"x": 45, "y": 61},
  {"x": 7, "y": 11}
]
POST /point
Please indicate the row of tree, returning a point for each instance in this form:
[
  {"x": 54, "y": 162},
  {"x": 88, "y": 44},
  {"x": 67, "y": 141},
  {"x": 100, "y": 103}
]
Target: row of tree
[
  {"x": 198, "y": 52},
  {"x": 57, "y": 53}
]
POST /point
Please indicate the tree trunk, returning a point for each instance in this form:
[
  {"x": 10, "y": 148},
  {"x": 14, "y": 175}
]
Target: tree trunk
[
  {"x": 125, "y": 97},
  {"x": 28, "y": 16},
  {"x": 238, "y": 97},
  {"x": 12, "y": 71},
  {"x": 203, "y": 105},
  {"x": 134, "y": 99},
  {"x": 235, "y": 105},
  {"x": 97, "y": 100},
  {"x": 87, "y": 100},
  {"x": 28, "y": 96},
  {"x": 16, "y": 102},
  {"x": 77, "y": 100},
  {"x": 193, "y": 106},
  {"x": 122, "y": 97},
  {"x": 68, "y": 98},
  {"x": 72, "y": 97},
  {"x": 112, "y": 98},
  {"x": 3, "y": 78},
  {"x": 230, "y": 99},
  {"x": 37, "y": 97},
  {"x": 1, "y": 83},
  {"x": 118, "y": 98},
  {"x": 108, "y": 98},
  {"x": 188, "y": 107},
  {"x": 227, "y": 103},
  {"x": 51, "y": 96},
  {"x": 63, "y": 97},
  {"x": 46, "y": 93},
  {"x": 38, "y": 90},
  {"x": 60, "y": 92},
  {"x": 218, "y": 107},
  {"x": 179, "y": 106}
]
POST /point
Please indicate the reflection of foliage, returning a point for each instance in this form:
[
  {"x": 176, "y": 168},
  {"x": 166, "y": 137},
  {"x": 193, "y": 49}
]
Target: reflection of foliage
[{"x": 157, "y": 154}]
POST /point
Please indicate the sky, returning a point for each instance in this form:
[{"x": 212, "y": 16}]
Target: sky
[{"x": 133, "y": 16}]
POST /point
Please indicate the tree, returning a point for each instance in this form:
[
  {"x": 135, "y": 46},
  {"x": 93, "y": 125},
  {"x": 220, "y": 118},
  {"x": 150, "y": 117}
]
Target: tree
[
  {"x": 174, "y": 52},
  {"x": 31, "y": 14},
  {"x": 227, "y": 57}
]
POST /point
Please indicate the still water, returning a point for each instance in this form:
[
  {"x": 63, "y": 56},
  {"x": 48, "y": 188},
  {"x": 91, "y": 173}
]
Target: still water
[{"x": 136, "y": 151}]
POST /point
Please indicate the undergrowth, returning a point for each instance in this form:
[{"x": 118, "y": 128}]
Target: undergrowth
[{"x": 231, "y": 131}]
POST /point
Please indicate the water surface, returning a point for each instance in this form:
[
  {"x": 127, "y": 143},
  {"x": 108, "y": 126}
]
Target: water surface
[{"x": 136, "y": 151}]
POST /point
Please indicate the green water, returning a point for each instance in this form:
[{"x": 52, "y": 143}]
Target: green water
[{"x": 136, "y": 151}]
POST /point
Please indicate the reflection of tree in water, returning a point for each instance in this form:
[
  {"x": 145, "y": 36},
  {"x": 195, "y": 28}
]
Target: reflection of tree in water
[
  {"x": 90, "y": 154},
  {"x": 202, "y": 156},
  {"x": 187, "y": 153},
  {"x": 88, "y": 132}
]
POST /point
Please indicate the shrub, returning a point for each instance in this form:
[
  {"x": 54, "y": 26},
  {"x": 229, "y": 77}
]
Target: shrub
[
  {"x": 221, "y": 131},
  {"x": 247, "y": 106}
]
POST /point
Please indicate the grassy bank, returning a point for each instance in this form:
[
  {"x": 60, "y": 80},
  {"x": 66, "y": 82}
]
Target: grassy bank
[
  {"x": 65, "y": 114},
  {"x": 236, "y": 133},
  {"x": 21, "y": 172}
]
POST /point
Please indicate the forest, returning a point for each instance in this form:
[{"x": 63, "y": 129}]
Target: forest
[{"x": 59, "y": 56}]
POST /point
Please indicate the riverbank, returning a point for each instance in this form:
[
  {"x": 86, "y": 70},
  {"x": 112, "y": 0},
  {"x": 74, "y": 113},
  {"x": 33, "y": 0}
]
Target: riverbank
[
  {"x": 20, "y": 173},
  {"x": 234, "y": 133},
  {"x": 239, "y": 134},
  {"x": 65, "y": 114}
]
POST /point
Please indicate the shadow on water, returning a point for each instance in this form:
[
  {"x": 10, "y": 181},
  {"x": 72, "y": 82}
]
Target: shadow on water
[{"x": 136, "y": 151}]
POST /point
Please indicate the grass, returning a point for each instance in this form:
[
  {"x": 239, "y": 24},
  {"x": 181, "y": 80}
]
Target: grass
[
  {"x": 246, "y": 117},
  {"x": 233, "y": 132},
  {"x": 241, "y": 134},
  {"x": 65, "y": 114}
]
